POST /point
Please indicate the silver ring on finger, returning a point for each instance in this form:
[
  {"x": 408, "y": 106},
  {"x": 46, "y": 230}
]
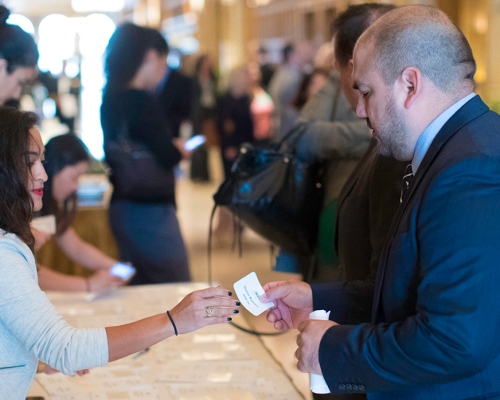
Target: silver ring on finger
[{"x": 209, "y": 311}]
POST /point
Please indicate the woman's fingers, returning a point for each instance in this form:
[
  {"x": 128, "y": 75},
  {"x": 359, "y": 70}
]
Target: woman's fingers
[
  {"x": 217, "y": 320},
  {"x": 204, "y": 307},
  {"x": 213, "y": 292},
  {"x": 216, "y": 312},
  {"x": 219, "y": 302}
]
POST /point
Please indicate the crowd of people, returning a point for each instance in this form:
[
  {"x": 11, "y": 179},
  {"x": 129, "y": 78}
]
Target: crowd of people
[{"x": 407, "y": 250}]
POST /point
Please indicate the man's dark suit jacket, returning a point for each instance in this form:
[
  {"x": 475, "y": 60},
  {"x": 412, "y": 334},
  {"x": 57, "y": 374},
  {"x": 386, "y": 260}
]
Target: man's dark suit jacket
[
  {"x": 435, "y": 327},
  {"x": 366, "y": 207}
]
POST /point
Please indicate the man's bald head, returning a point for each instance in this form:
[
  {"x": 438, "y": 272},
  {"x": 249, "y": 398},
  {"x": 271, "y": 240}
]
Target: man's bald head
[{"x": 425, "y": 38}]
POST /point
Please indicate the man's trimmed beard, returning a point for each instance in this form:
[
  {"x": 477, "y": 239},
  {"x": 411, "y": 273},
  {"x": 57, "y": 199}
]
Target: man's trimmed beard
[{"x": 393, "y": 135}]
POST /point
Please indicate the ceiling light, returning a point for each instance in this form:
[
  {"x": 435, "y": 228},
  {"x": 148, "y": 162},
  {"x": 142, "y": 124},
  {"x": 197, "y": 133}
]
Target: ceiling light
[{"x": 197, "y": 5}]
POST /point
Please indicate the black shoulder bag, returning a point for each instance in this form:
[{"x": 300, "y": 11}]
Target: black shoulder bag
[
  {"x": 276, "y": 194},
  {"x": 136, "y": 171}
]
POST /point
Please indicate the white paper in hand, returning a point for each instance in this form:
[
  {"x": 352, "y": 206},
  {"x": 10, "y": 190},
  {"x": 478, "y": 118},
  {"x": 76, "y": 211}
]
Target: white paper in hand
[
  {"x": 318, "y": 383},
  {"x": 248, "y": 290}
]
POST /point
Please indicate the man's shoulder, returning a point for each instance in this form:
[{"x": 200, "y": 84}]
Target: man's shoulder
[
  {"x": 478, "y": 137},
  {"x": 472, "y": 131},
  {"x": 485, "y": 132}
]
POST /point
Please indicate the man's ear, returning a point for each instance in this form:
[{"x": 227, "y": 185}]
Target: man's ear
[
  {"x": 410, "y": 83},
  {"x": 150, "y": 55},
  {"x": 350, "y": 65}
]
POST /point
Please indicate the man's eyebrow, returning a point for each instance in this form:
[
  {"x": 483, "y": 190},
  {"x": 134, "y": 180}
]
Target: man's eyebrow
[{"x": 357, "y": 85}]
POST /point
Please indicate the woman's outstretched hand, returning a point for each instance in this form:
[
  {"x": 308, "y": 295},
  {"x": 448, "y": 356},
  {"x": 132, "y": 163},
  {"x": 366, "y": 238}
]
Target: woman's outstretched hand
[{"x": 204, "y": 307}]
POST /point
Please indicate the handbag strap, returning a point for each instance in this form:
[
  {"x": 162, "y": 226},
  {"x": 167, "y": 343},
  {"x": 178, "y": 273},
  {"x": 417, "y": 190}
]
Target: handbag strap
[{"x": 291, "y": 139}]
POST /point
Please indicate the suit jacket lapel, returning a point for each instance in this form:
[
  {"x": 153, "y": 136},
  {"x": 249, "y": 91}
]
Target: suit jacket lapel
[{"x": 469, "y": 111}]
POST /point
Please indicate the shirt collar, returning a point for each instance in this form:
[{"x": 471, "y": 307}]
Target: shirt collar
[{"x": 428, "y": 135}]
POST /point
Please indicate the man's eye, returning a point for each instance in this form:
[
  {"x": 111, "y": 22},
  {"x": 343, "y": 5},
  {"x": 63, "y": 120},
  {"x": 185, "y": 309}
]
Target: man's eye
[{"x": 365, "y": 94}]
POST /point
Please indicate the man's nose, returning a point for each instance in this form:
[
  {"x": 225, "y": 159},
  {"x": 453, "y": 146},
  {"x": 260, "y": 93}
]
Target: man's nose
[{"x": 360, "y": 108}]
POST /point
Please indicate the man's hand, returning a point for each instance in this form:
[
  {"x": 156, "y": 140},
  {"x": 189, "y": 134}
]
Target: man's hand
[
  {"x": 308, "y": 340},
  {"x": 293, "y": 303}
]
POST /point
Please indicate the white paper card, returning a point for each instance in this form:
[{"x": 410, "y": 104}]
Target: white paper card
[
  {"x": 46, "y": 223},
  {"x": 248, "y": 290}
]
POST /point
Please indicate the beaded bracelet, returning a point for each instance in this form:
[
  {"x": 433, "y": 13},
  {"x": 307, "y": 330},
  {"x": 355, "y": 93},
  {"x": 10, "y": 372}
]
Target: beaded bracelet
[{"x": 173, "y": 323}]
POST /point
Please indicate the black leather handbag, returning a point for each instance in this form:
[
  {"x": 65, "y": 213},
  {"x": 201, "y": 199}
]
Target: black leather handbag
[
  {"x": 136, "y": 172},
  {"x": 276, "y": 194}
]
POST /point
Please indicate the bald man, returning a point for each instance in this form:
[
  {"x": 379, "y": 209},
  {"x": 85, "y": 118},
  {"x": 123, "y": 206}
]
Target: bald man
[{"x": 433, "y": 332}]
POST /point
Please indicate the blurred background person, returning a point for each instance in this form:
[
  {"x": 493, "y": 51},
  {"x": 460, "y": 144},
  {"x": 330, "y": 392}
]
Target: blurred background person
[
  {"x": 235, "y": 126},
  {"x": 265, "y": 67},
  {"x": 18, "y": 58},
  {"x": 285, "y": 83},
  {"x": 309, "y": 86},
  {"x": 261, "y": 107},
  {"x": 204, "y": 103},
  {"x": 234, "y": 120},
  {"x": 145, "y": 227},
  {"x": 66, "y": 160},
  {"x": 312, "y": 82}
]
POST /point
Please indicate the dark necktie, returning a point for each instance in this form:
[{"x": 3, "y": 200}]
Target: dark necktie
[{"x": 407, "y": 177}]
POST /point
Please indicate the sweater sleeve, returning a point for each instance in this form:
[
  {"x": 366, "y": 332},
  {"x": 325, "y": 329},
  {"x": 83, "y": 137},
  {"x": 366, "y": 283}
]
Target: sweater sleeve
[
  {"x": 325, "y": 140},
  {"x": 333, "y": 129},
  {"x": 34, "y": 322}
]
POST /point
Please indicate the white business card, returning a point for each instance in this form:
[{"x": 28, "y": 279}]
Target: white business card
[{"x": 248, "y": 290}]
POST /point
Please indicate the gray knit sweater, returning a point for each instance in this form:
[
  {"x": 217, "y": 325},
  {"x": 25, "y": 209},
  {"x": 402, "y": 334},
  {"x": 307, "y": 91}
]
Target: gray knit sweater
[{"x": 31, "y": 329}]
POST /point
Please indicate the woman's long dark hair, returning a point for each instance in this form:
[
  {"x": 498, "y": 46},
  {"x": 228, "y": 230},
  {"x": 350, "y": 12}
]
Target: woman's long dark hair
[
  {"x": 60, "y": 152},
  {"x": 17, "y": 47},
  {"x": 16, "y": 205},
  {"x": 125, "y": 53}
]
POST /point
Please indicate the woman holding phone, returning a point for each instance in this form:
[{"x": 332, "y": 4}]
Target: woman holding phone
[
  {"x": 30, "y": 327},
  {"x": 66, "y": 160},
  {"x": 144, "y": 224}
]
